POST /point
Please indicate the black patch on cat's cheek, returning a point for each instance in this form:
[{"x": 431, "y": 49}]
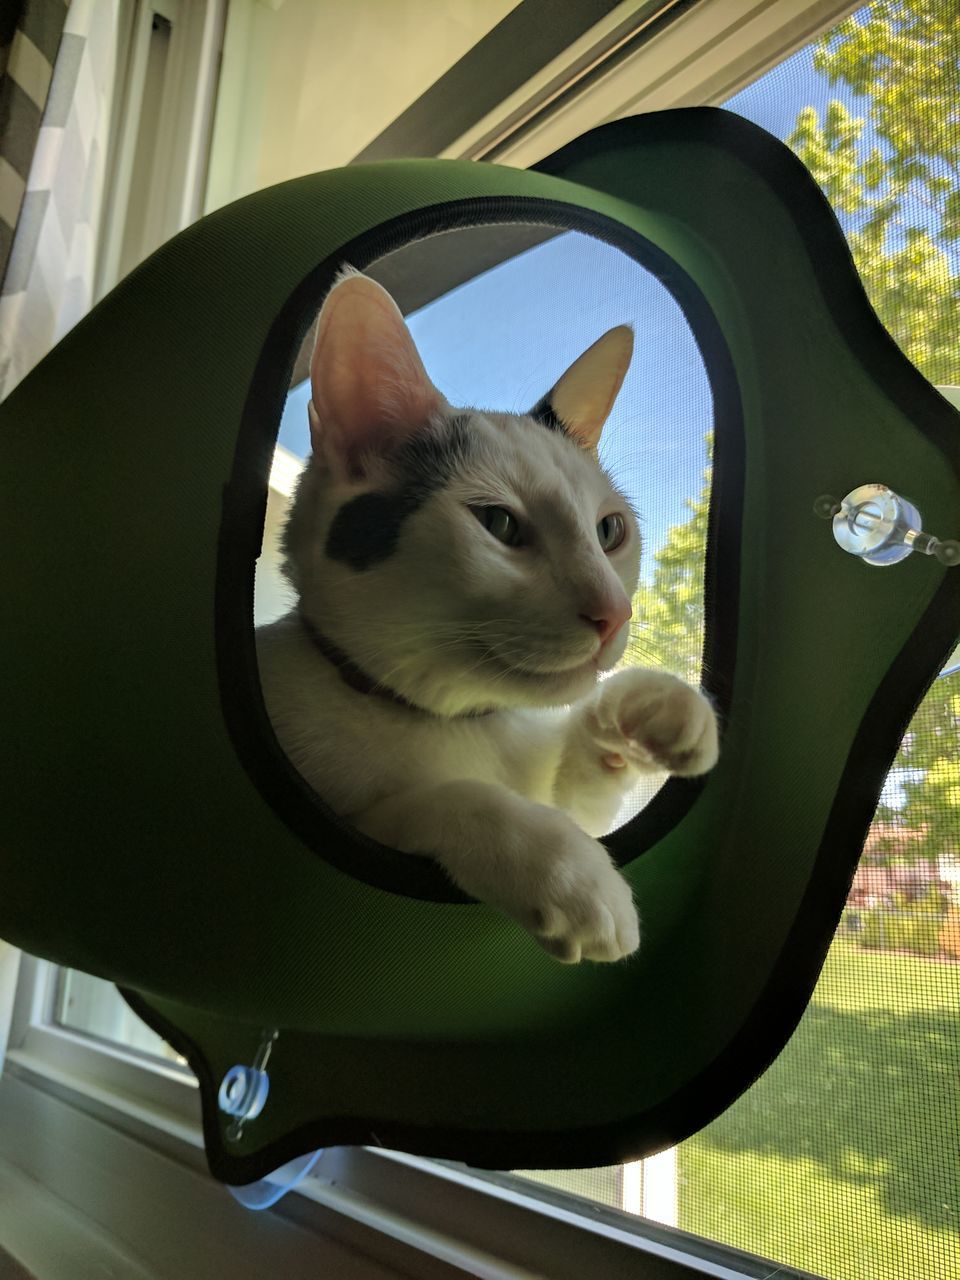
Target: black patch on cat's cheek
[
  {"x": 365, "y": 530},
  {"x": 544, "y": 413}
]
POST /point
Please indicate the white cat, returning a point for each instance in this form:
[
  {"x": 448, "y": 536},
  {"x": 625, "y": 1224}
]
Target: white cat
[{"x": 463, "y": 578}]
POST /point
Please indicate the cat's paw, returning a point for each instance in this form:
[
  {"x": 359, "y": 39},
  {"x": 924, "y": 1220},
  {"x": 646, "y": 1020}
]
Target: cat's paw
[
  {"x": 652, "y": 720},
  {"x": 577, "y": 904}
]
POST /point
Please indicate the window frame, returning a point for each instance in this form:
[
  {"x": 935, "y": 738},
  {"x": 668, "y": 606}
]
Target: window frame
[
  {"x": 412, "y": 1216},
  {"x": 700, "y": 56},
  {"x": 403, "y": 1211},
  {"x": 183, "y": 111}
]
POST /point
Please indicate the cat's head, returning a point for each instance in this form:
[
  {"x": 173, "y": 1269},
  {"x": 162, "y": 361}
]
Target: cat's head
[{"x": 461, "y": 558}]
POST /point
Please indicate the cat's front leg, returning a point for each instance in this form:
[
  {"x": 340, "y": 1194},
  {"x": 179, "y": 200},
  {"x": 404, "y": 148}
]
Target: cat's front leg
[
  {"x": 637, "y": 721},
  {"x": 527, "y": 859}
]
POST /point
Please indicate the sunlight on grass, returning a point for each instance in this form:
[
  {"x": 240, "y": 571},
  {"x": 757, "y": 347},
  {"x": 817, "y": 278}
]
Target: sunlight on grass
[{"x": 838, "y": 1159}]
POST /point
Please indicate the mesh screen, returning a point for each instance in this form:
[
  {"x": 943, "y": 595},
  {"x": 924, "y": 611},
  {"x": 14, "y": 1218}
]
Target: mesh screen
[{"x": 844, "y": 1158}]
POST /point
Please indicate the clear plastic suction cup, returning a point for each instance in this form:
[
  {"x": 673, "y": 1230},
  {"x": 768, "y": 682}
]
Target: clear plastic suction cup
[{"x": 881, "y": 527}]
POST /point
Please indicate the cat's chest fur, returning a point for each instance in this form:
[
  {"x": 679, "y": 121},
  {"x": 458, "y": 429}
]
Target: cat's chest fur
[{"x": 355, "y": 749}]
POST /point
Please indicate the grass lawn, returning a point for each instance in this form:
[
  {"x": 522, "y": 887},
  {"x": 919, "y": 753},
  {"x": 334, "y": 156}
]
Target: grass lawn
[{"x": 844, "y": 1158}]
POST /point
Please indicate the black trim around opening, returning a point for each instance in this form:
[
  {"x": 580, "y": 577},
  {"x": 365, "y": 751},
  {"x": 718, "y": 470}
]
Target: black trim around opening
[{"x": 244, "y": 511}]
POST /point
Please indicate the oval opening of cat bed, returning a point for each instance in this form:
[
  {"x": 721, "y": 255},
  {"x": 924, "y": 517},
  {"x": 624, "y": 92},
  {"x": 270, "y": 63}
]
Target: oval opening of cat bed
[{"x": 497, "y": 311}]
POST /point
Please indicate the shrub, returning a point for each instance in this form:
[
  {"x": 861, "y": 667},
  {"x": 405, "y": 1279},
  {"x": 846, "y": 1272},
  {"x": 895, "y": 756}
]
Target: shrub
[
  {"x": 949, "y": 938},
  {"x": 904, "y": 925}
]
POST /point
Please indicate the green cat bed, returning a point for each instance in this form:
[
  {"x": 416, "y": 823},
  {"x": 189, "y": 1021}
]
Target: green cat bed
[{"x": 155, "y": 835}]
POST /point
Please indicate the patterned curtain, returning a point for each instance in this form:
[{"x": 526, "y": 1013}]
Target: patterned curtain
[
  {"x": 30, "y": 32},
  {"x": 55, "y": 105}
]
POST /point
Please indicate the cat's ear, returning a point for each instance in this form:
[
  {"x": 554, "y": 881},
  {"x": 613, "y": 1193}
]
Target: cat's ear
[
  {"x": 369, "y": 389},
  {"x": 583, "y": 397}
]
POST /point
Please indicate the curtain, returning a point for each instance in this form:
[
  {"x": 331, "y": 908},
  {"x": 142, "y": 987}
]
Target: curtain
[
  {"x": 30, "y": 32},
  {"x": 48, "y": 281}
]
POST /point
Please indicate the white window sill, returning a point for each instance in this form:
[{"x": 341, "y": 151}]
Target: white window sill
[{"x": 113, "y": 1146}]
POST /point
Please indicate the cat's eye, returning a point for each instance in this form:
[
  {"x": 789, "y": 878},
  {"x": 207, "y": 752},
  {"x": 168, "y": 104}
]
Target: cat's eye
[
  {"x": 611, "y": 531},
  {"x": 499, "y": 522}
]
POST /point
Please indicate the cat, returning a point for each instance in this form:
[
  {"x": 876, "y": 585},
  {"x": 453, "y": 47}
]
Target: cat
[{"x": 463, "y": 578}]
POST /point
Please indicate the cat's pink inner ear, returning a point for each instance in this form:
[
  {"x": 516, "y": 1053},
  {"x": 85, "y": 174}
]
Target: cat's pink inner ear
[
  {"x": 584, "y": 395},
  {"x": 368, "y": 386}
]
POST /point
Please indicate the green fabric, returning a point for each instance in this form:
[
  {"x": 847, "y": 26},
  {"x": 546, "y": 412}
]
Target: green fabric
[{"x": 136, "y": 846}]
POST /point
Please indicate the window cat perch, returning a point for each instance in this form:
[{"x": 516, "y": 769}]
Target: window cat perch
[{"x": 155, "y": 835}]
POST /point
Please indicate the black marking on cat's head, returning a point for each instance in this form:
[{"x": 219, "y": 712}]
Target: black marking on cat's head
[
  {"x": 544, "y": 413},
  {"x": 365, "y": 530}
]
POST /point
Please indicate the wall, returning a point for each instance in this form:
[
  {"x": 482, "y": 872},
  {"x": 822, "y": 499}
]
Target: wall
[{"x": 305, "y": 86}]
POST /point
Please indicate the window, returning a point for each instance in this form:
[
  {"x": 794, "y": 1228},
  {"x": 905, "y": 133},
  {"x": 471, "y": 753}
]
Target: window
[
  {"x": 842, "y": 1160},
  {"x": 162, "y": 102},
  {"x": 94, "y": 1007}
]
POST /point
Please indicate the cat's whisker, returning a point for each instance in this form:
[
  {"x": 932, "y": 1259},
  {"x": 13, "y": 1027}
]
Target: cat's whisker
[
  {"x": 451, "y": 636},
  {"x": 636, "y": 646},
  {"x": 424, "y": 648},
  {"x": 462, "y": 671}
]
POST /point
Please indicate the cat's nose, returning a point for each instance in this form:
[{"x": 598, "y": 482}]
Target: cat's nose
[{"x": 608, "y": 617}]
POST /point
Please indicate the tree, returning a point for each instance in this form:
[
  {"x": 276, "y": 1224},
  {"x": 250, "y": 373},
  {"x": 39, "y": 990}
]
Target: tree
[
  {"x": 892, "y": 175},
  {"x": 933, "y": 799},
  {"x": 669, "y": 611}
]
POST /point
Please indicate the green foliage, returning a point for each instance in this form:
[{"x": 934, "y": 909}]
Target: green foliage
[
  {"x": 929, "y": 922},
  {"x": 933, "y": 800},
  {"x": 871, "y": 929},
  {"x": 879, "y": 1042},
  {"x": 669, "y": 610},
  {"x": 902, "y": 55},
  {"x": 896, "y": 187},
  {"x": 905, "y": 925},
  {"x": 900, "y": 195}
]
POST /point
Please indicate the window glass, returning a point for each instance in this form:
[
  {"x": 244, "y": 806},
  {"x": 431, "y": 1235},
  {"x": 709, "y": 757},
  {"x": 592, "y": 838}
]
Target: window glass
[
  {"x": 96, "y": 1008},
  {"x": 844, "y": 1158}
]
